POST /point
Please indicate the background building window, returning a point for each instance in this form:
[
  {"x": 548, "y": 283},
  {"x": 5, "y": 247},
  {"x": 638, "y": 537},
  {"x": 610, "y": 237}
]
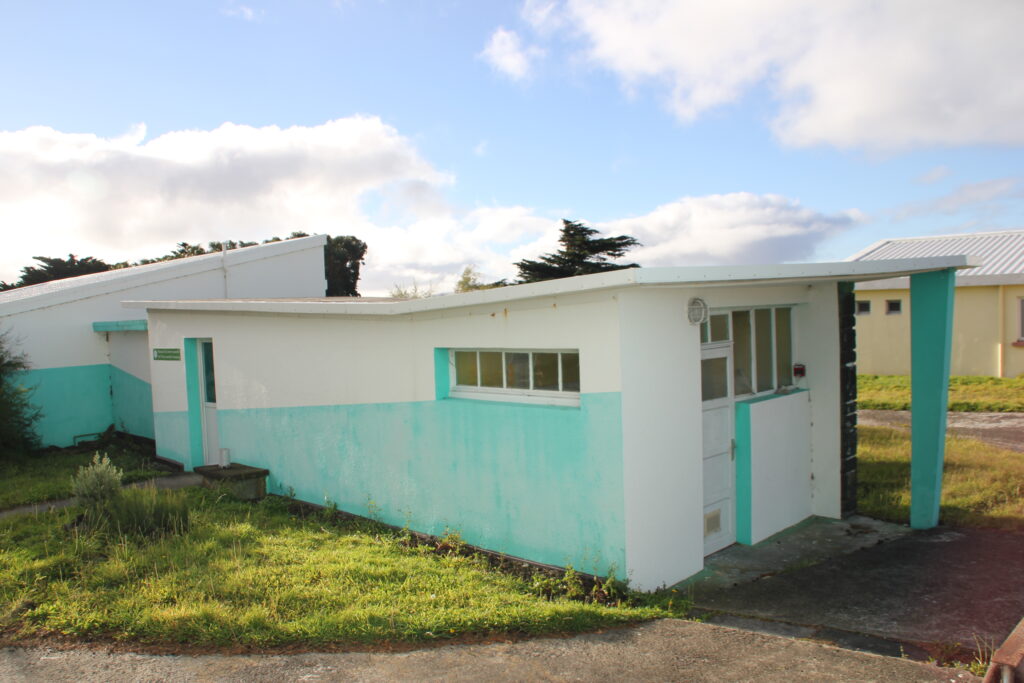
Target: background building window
[
  {"x": 863, "y": 307},
  {"x": 893, "y": 306}
]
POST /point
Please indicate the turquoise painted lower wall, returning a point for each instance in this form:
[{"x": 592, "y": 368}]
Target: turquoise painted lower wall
[
  {"x": 172, "y": 436},
  {"x": 132, "y": 403},
  {"x": 534, "y": 481},
  {"x": 85, "y": 400},
  {"x": 75, "y": 401}
]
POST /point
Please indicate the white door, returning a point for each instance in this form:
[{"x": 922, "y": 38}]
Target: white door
[
  {"x": 719, "y": 448},
  {"x": 208, "y": 395}
]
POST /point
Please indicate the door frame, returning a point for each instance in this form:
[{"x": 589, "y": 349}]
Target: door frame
[
  {"x": 727, "y": 404},
  {"x": 194, "y": 390}
]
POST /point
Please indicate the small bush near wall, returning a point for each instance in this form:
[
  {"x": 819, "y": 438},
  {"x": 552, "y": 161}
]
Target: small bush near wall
[
  {"x": 17, "y": 414},
  {"x": 141, "y": 511},
  {"x": 97, "y": 484}
]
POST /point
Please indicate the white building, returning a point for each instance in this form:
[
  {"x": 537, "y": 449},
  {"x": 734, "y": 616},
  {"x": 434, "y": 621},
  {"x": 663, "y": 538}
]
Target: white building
[
  {"x": 584, "y": 421},
  {"x": 90, "y": 355}
]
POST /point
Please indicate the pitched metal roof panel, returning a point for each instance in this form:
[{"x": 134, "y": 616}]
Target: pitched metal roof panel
[{"x": 1001, "y": 253}]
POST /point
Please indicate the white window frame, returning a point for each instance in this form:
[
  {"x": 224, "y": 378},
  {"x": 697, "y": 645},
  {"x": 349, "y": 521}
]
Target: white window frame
[
  {"x": 536, "y": 396},
  {"x": 753, "y": 345}
]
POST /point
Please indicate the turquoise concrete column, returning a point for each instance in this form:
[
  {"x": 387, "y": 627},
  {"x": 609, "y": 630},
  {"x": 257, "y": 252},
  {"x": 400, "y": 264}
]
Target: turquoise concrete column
[{"x": 931, "y": 339}]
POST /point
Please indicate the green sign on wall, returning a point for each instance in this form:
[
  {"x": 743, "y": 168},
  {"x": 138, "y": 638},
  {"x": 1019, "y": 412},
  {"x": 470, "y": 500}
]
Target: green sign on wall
[{"x": 166, "y": 354}]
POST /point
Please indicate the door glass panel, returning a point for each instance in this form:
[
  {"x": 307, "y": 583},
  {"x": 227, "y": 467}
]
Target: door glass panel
[
  {"x": 465, "y": 368},
  {"x": 720, "y": 327},
  {"x": 763, "y": 346},
  {"x": 490, "y": 369},
  {"x": 570, "y": 372},
  {"x": 783, "y": 347},
  {"x": 517, "y": 370},
  {"x": 545, "y": 371},
  {"x": 742, "y": 367},
  {"x": 714, "y": 379},
  {"x": 209, "y": 387}
]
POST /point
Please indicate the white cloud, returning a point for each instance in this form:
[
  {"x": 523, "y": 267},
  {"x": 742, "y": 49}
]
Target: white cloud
[
  {"x": 733, "y": 228},
  {"x": 127, "y": 198},
  {"x": 243, "y": 12},
  {"x": 481, "y": 148},
  {"x": 845, "y": 72},
  {"x": 506, "y": 53},
  {"x": 934, "y": 175},
  {"x": 982, "y": 196}
]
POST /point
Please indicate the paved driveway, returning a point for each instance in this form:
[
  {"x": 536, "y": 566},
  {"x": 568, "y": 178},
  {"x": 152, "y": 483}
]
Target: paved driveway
[{"x": 668, "y": 650}]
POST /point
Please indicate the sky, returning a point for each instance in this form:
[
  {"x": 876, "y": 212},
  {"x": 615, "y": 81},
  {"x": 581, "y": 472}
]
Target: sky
[{"x": 448, "y": 133}]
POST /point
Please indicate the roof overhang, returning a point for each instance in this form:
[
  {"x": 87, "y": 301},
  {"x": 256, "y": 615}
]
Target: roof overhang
[{"x": 705, "y": 276}]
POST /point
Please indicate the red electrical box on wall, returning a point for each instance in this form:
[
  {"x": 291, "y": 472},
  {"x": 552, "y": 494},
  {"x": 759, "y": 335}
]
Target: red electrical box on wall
[{"x": 799, "y": 370}]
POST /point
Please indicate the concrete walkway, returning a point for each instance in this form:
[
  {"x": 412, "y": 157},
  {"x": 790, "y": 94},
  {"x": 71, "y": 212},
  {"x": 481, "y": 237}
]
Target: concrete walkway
[
  {"x": 667, "y": 650},
  {"x": 885, "y": 589},
  {"x": 172, "y": 481}
]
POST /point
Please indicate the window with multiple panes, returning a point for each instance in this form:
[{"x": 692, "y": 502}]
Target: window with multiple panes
[
  {"x": 762, "y": 346},
  {"x": 516, "y": 374},
  {"x": 863, "y": 307},
  {"x": 893, "y": 306}
]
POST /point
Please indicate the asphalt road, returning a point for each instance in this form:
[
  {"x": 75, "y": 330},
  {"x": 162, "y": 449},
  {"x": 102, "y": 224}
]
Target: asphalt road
[{"x": 667, "y": 650}]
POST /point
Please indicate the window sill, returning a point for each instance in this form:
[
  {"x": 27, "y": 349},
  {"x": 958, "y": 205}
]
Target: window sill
[
  {"x": 571, "y": 400},
  {"x": 1018, "y": 343}
]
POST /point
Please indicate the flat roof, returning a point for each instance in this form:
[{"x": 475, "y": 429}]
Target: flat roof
[{"x": 687, "y": 276}]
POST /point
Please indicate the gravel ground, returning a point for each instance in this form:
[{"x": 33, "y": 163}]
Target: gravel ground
[
  {"x": 667, "y": 650},
  {"x": 1005, "y": 430}
]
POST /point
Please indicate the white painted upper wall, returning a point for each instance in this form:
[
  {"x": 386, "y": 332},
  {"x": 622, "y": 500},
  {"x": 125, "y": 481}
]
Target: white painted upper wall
[
  {"x": 272, "y": 361},
  {"x": 53, "y": 325}
]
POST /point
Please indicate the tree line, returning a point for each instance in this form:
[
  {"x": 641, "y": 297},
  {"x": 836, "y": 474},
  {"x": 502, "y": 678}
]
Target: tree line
[{"x": 582, "y": 252}]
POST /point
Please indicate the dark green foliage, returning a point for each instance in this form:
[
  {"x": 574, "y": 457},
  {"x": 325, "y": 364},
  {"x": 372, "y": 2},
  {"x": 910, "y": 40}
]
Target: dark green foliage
[
  {"x": 343, "y": 255},
  {"x": 55, "y": 268},
  {"x": 17, "y": 414},
  {"x": 581, "y": 254}
]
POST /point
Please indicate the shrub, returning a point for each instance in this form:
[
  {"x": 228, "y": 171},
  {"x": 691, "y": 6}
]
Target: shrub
[
  {"x": 98, "y": 483},
  {"x": 17, "y": 414},
  {"x": 145, "y": 511}
]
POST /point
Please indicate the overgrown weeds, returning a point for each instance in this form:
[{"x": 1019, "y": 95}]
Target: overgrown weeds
[{"x": 265, "y": 575}]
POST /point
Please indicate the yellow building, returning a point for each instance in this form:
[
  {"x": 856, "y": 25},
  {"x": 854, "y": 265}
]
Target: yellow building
[{"x": 988, "y": 321}]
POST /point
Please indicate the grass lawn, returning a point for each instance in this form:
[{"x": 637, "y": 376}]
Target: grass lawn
[
  {"x": 47, "y": 475},
  {"x": 982, "y": 486},
  {"x": 255, "y": 575},
  {"x": 966, "y": 394}
]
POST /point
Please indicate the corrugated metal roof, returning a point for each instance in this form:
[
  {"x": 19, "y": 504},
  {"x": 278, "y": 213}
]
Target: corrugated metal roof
[{"x": 1002, "y": 253}]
